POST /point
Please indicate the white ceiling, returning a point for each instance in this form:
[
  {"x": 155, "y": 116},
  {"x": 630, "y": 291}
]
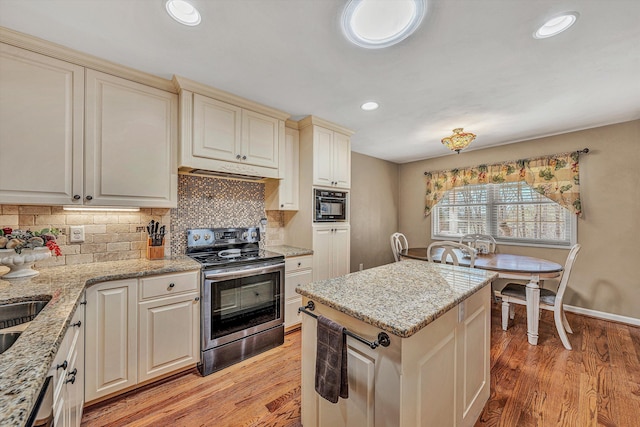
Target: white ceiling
[{"x": 472, "y": 63}]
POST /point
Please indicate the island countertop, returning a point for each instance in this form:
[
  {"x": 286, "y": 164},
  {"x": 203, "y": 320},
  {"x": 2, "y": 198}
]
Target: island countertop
[
  {"x": 24, "y": 366},
  {"x": 400, "y": 298}
]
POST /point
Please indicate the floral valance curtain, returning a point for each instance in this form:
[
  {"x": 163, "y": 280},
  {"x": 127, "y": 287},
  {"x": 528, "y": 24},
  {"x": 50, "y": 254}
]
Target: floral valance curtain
[{"x": 555, "y": 176}]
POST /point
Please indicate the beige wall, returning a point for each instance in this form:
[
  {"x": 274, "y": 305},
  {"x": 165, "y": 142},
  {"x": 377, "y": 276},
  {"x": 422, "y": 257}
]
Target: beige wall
[
  {"x": 605, "y": 276},
  {"x": 374, "y": 210}
]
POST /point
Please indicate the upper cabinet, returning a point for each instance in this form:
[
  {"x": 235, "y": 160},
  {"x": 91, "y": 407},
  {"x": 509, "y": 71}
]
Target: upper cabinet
[
  {"x": 223, "y": 133},
  {"x": 331, "y": 148},
  {"x": 283, "y": 194},
  {"x": 77, "y": 136},
  {"x": 130, "y": 143}
]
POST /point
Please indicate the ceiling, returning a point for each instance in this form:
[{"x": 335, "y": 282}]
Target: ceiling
[{"x": 472, "y": 64}]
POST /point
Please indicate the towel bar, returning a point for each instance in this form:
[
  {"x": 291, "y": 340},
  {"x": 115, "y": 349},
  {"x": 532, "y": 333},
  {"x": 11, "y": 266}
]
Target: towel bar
[{"x": 383, "y": 338}]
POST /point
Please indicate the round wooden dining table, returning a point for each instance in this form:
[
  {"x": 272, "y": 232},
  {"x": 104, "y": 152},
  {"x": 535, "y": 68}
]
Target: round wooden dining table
[{"x": 508, "y": 266}]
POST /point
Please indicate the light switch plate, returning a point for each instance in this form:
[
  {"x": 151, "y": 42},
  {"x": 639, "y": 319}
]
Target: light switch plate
[{"x": 76, "y": 233}]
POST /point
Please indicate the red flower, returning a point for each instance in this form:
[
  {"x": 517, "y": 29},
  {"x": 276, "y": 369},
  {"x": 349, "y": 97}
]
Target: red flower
[
  {"x": 53, "y": 246},
  {"x": 7, "y": 230}
]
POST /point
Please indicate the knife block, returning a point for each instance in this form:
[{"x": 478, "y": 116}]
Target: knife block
[{"x": 154, "y": 252}]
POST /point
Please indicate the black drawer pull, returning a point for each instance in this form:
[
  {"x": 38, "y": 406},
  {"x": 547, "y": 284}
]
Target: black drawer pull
[
  {"x": 63, "y": 365},
  {"x": 71, "y": 380},
  {"x": 78, "y": 324}
]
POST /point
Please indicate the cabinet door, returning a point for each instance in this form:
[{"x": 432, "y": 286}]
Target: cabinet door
[
  {"x": 259, "y": 139},
  {"x": 169, "y": 335},
  {"x": 322, "y": 253},
  {"x": 290, "y": 184},
  {"x": 75, "y": 387},
  {"x": 41, "y": 119},
  {"x": 217, "y": 128},
  {"x": 293, "y": 300},
  {"x": 131, "y": 143},
  {"x": 341, "y": 251},
  {"x": 322, "y": 157},
  {"x": 341, "y": 160},
  {"x": 111, "y": 338}
]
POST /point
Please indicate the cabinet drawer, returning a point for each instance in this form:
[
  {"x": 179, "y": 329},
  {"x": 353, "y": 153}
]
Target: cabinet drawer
[
  {"x": 298, "y": 263},
  {"x": 291, "y": 316},
  {"x": 168, "y": 284},
  {"x": 294, "y": 279}
]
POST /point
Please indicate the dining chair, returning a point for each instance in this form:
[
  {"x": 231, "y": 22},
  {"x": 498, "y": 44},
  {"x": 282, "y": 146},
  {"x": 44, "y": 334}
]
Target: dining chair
[
  {"x": 549, "y": 300},
  {"x": 449, "y": 252},
  {"x": 476, "y": 241},
  {"x": 398, "y": 244}
]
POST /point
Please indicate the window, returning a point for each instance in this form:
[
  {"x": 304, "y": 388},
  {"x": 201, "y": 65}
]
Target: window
[{"x": 513, "y": 213}]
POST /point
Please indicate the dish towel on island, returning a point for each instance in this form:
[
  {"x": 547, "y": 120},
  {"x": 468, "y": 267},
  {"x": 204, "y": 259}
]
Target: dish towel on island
[{"x": 331, "y": 361}]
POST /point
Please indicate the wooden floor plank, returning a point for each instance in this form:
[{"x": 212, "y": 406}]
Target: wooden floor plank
[{"x": 596, "y": 384}]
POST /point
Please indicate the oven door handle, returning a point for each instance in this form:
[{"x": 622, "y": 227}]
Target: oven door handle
[{"x": 263, "y": 268}]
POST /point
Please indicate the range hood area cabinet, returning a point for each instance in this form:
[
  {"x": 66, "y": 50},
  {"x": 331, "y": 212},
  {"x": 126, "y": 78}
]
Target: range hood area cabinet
[
  {"x": 76, "y": 136},
  {"x": 226, "y": 134},
  {"x": 284, "y": 194}
]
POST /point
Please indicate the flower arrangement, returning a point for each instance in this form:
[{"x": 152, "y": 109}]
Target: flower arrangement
[{"x": 19, "y": 239}]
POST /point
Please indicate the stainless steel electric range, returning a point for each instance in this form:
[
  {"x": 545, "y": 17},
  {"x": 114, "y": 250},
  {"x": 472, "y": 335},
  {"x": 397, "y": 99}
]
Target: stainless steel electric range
[{"x": 242, "y": 310}]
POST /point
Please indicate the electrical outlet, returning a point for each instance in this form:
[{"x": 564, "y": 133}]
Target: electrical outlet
[
  {"x": 361, "y": 267},
  {"x": 76, "y": 233}
]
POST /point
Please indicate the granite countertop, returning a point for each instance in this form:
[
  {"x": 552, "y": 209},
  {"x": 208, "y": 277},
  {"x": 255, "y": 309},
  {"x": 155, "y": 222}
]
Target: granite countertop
[
  {"x": 400, "y": 298},
  {"x": 289, "y": 251},
  {"x": 24, "y": 366}
]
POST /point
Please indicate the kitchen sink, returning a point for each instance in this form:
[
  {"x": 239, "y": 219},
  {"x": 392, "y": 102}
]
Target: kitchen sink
[
  {"x": 7, "y": 339},
  {"x": 15, "y": 314}
]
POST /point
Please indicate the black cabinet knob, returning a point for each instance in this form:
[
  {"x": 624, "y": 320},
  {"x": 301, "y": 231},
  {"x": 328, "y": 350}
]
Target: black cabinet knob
[
  {"x": 244, "y": 157},
  {"x": 238, "y": 157},
  {"x": 76, "y": 197},
  {"x": 63, "y": 365},
  {"x": 299, "y": 264},
  {"x": 78, "y": 324},
  {"x": 71, "y": 380},
  {"x": 89, "y": 197},
  {"x": 171, "y": 285},
  {"x": 197, "y": 298},
  {"x": 74, "y": 372},
  {"x": 282, "y": 206}
]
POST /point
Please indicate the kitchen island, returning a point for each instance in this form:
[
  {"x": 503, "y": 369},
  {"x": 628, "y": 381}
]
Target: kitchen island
[{"x": 435, "y": 372}]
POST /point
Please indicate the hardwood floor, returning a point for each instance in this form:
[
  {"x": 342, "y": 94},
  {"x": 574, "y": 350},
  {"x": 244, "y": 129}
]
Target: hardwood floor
[{"x": 598, "y": 383}]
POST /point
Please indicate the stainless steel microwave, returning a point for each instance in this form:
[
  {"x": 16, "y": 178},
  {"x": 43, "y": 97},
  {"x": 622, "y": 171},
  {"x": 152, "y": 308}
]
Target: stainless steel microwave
[{"x": 330, "y": 206}]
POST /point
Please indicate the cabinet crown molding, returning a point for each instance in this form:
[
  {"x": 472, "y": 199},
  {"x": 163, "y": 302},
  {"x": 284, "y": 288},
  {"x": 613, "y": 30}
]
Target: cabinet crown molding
[
  {"x": 183, "y": 83},
  {"x": 64, "y": 53},
  {"x": 313, "y": 120}
]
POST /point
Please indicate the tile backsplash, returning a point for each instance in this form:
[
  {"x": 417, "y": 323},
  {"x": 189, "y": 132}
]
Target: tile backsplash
[{"x": 110, "y": 236}]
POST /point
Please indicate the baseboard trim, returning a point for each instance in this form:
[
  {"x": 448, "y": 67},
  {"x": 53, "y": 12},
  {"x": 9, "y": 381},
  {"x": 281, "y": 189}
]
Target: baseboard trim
[{"x": 602, "y": 315}]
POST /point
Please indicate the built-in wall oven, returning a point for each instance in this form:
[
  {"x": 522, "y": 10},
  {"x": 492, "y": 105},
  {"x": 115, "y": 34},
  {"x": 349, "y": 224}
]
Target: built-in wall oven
[
  {"x": 242, "y": 310},
  {"x": 330, "y": 205}
]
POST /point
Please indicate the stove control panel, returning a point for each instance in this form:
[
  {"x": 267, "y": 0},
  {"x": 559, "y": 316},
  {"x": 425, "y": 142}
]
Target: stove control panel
[{"x": 199, "y": 238}]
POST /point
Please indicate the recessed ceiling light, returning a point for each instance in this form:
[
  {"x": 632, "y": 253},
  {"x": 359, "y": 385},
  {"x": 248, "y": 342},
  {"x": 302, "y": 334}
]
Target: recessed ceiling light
[
  {"x": 183, "y": 12},
  {"x": 556, "y": 25},
  {"x": 375, "y": 24},
  {"x": 370, "y": 106}
]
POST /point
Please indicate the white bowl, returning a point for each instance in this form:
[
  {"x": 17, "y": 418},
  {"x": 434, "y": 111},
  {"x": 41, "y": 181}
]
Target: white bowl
[{"x": 20, "y": 263}]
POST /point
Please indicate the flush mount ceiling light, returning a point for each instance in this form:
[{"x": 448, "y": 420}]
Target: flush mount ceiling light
[
  {"x": 459, "y": 140},
  {"x": 556, "y": 25},
  {"x": 374, "y": 24},
  {"x": 183, "y": 12},
  {"x": 370, "y": 106}
]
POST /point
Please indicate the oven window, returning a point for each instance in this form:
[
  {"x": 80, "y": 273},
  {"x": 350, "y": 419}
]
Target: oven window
[{"x": 242, "y": 303}]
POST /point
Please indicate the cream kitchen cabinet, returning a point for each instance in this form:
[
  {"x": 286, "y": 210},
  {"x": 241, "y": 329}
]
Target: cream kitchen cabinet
[
  {"x": 283, "y": 194},
  {"x": 331, "y": 148},
  {"x": 111, "y": 355},
  {"x": 67, "y": 373},
  {"x": 222, "y": 133},
  {"x": 331, "y": 251},
  {"x": 169, "y": 324},
  {"x": 91, "y": 138},
  {"x": 41, "y": 128},
  {"x": 140, "y": 329},
  {"x": 298, "y": 271}
]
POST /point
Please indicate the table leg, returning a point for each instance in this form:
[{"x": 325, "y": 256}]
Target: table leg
[{"x": 533, "y": 309}]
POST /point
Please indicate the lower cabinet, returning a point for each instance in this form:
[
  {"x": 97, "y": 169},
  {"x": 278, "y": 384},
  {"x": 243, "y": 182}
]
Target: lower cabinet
[
  {"x": 67, "y": 371},
  {"x": 140, "y": 329},
  {"x": 331, "y": 245},
  {"x": 298, "y": 271}
]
